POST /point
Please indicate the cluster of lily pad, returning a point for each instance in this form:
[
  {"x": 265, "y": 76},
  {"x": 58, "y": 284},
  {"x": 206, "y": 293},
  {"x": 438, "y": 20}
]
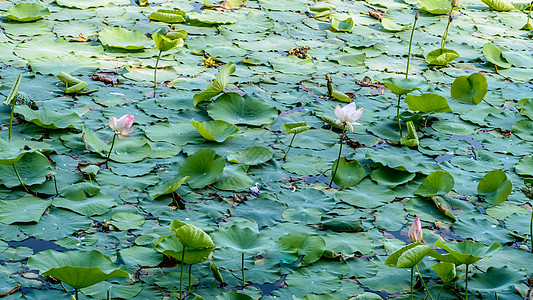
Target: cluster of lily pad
[{"x": 222, "y": 108}]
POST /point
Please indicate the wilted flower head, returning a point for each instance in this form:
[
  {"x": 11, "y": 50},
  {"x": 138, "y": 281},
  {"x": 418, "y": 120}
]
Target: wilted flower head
[
  {"x": 122, "y": 126},
  {"x": 415, "y": 232},
  {"x": 347, "y": 115}
]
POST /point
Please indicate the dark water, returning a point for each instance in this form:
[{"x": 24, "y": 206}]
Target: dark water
[{"x": 37, "y": 245}]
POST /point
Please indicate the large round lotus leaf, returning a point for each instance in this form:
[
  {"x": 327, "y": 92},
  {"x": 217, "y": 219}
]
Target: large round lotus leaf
[
  {"x": 469, "y": 89},
  {"x": 171, "y": 246},
  {"x": 349, "y": 173},
  {"x": 294, "y": 245},
  {"x": 251, "y": 156},
  {"x": 97, "y": 205},
  {"x": 494, "y": 55},
  {"x": 32, "y": 169},
  {"x": 427, "y": 103},
  {"x": 390, "y": 177},
  {"x": 11, "y": 152},
  {"x": 241, "y": 239},
  {"x": 233, "y": 296},
  {"x": 306, "y": 215},
  {"x": 499, "y": 5},
  {"x": 262, "y": 211},
  {"x": 56, "y": 224},
  {"x": 495, "y": 186},
  {"x": 118, "y": 37},
  {"x": 127, "y": 221},
  {"x": 234, "y": 178},
  {"x": 524, "y": 129},
  {"x": 122, "y": 291},
  {"x": 203, "y": 168},
  {"x": 453, "y": 127},
  {"x": 441, "y": 56},
  {"x": 78, "y": 269},
  {"x": 217, "y": 130},
  {"x": 47, "y": 118},
  {"x": 25, "y": 209},
  {"x": 408, "y": 256},
  {"x": 168, "y": 187},
  {"x": 367, "y": 194},
  {"x": 305, "y": 165},
  {"x": 141, "y": 256},
  {"x": 82, "y": 4},
  {"x": 309, "y": 197},
  {"x": 128, "y": 151},
  {"x": 348, "y": 243},
  {"x": 321, "y": 282},
  {"x": 496, "y": 280},
  {"x": 468, "y": 252},
  {"x": 190, "y": 235},
  {"x": 168, "y": 15},
  {"x": 524, "y": 166},
  {"x": 481, "y": 230},
  {"x": 400, "y": 86},
  {"x": 437, "y": 183},
  {"x": 342, "y": 25},
  {"x": 482, "y": 162},
  {"x": 437, "y": 7},
  {"x": 26, "y": 12},
  {"x": 233, "y": 108}
]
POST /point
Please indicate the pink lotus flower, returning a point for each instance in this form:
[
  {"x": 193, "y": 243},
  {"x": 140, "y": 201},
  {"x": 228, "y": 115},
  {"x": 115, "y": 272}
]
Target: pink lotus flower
[
  {"x": 415, "y": 232},
  {"x": 122, "y": 126},
  {"x": 347, "y": 115}
]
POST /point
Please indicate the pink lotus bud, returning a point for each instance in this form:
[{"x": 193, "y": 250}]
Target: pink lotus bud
[
  {"x": 122, "y": 126},
  {"x": 417, "y": 16},
  {"x": 455, "y": 3},
  {"x": 415, "y": 232}
]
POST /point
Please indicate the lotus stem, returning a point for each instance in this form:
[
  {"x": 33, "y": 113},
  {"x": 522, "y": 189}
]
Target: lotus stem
[
  {"x": 440, "y": 291},
  {"x": 20, "y": 180},
  {"x": 412, "y": 275},
  {"x": 110, "y": 150},
  {"x": 289, "y": 147},
  {"x": 489, "y": 103},
  {"x": 466, "y": 285},
  {"x": 11, "y": 118},
  {"x": 531, "y": 232},
  {"x": 529, "y": 13},
  {"x": 422, "y": 279},
  {"x": 338, "y": 157},
  {"x": 445, "y": 35},
  {"x": 398, "y": 116},
  {"x": 242, "y": 264},
  {"x": 190, "y": 284},
  {"x": 181, "y": 276},
  {"x": 155, "y": 70},
  {"x": 76, "y": 293},
  {"x": 55, "y": 185},
  {"x": 108, "y": 294},
  {"x": 409, "y": 53},
  {"x": 61, "y": 283}
]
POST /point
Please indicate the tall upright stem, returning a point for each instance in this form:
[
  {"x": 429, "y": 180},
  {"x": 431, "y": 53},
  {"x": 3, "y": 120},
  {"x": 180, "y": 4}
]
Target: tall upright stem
[
  {"x": 242, "y": 264},
  {"x": 466, "y": 285},
  {"x": 181, "y": 276},
  {"x": 20, "y": 180},
  {"x": 529, "y": 14},
  {"x": 110, "y": 150},
  {"x": 76, "y": 293},
  {"x": 190, "y": 279},
  {"x": 155, "y": 70},
  {"x": 412, "y": 275},
  {"x": 445, "y": 35},
  {"x": 531, "y": 232},
  {"x": 398, "y": 117},
  {"x": 11, "y": 118},
  {"x": 422, "y": 279},
  {"x": 289, "y": 146},
  {"x": 338, "y": 157},
  {"x": 409, "y": 53}
]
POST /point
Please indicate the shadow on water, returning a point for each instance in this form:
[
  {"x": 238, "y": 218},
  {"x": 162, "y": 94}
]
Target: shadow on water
[
  {"x": 443, "y": 158},
  {"x": 474, "y": 143},
  {"x": 37, "y": 245},
  {"x": 268, "y": 288}
]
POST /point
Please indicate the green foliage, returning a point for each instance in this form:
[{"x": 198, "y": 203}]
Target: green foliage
[
  {"x": 495, "y": 186},
  {"x": 469, "y": 89},
  {"x": 217, "y": 86},
  {"x": 436, "y": 183}
]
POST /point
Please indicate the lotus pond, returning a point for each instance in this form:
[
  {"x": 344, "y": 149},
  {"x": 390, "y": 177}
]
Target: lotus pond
[{"x": 185, "y": 150}]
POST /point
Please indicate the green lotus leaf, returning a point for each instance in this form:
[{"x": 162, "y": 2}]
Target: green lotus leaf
[
  {"x": 171, "y": 246},
  {"x": 11, "y": 152},
  {"x": 82, "y": 4},
  {"x": 496, "y": 280},
  {"x": 392, "y": 26},
  {"x": 241, "y": 239},
  {"x": 216, "y": 86},
  {"x": 445, "y": 270},
  {"x": 216, "y": 130},
  {"x": 495, "y": 186},
  {"x": 80, "y": 191},
  {"x": 78, "y": 269},
  {"x": 47, "y": 118},
  {"x": 190, "y": 235},
  {"x": 499, "y": 5},
  {"x": 469, "y": 89},
  {"x": 342, "y": 25},
  {"x": 468, "y": 252},
  {"x": 296, "y": 127},
  {"x": 437, "y": 183},
  {"x": 393, "y": 258},
  {"x": 164, "y": 43},
  {"x": 27, "y": 12},
  {"x": 412, "y": 256},
  {"x": 118, "y": 37},
  {"x": 436, "y": 7},
  {"x": 168, "y": 187},
  {"x": 169, "y": 16},
  {"x": 390, "y": 177},
  {"x": 129, "y": 151},
  {"x": 203, "y": 168},
  {"x": 524, "y": 129},
  {"x": 234, "y": 295},
  {"x": 349, "y": 173},
  {"x": 494, "y": 55},
  {"x": 22, "y": 210},
  {"x": 441, "y": 56},
  {"x": 402, "y": 86},
  {"x": 427, "y": 103},
  {"x": 127, "y": 221},
  {"x": 234, "y": 178},
  {"x": 319, "y": 281},
  {"x": 233, "y": 108},
  {"x": 524, "y": 166},
  {"x": 411, "y": 139},
  {"x": 251, "y": 156},
  {"x": 293, "y": 245},
  {"x": 32, "y": 169}
]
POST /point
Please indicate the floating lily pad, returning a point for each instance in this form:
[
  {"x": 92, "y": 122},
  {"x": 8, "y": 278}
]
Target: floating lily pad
[
  {"x": 349, "y": 173},
  {"x": 234, "y": 178},
  {"x": 495, "y": 186},
  {"x": 47, "y": 118},
  {"x": 342, "y": 24},
  {"x": 499, "y": 5},
  {"x": 494, "y": 55},
  {"x": 32, "y": 169},
  {"x": 203, "y": 168},
  {"x": 391, "y": 177},
  {"x": 400, "y": 87},
  {"x": 216, "y": 130},
  {"x": 293, "y": 245},
  {"x": 437, "y": 183},
  {"x": 441, "y": 56},
  {"x": 118, "y": 37},
  {"x": 217, "y": 86},
  {"x": 469, "y": 89},
  {"x": 27, "y": 12},
  {"x": 437, "y": 7},
  {"x": 25, "y": 209},
  {"x": 233, "y": 108},
  {"x": 524, "y": 166},
  {"x": 427, "y": 103},
  {"x": 251, "y": 156}
]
